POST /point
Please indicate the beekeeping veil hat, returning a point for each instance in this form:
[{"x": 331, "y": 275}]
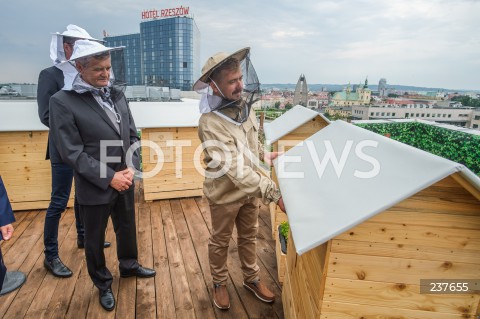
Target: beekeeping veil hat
[
  {"x": 57, "y": 53},
  {"x": 235, "y": 111},
  {"x": 86, "y": 48}
]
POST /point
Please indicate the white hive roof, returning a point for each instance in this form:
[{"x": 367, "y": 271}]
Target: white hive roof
[
  {"x": 22, "y": 115},
  {"x": 288, "y": 122},
  {"x": 371, "y": 174}
]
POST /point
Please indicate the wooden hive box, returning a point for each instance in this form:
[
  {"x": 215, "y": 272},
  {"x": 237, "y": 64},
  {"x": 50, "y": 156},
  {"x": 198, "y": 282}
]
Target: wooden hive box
[
  {"x": 173, "y": 126},
  {"x": 361, "y": 246},
  {"x": 291, "y": 128},
  {"x": 23, "y": 145},
  {"x": 283, "y": 133}
]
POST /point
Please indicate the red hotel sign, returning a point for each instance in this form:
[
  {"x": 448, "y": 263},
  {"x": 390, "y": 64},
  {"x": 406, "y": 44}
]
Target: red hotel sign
[{"x": 165, "y": 13}]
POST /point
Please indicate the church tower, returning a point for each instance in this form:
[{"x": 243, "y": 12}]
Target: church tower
[{"x": 301, "y": 92}]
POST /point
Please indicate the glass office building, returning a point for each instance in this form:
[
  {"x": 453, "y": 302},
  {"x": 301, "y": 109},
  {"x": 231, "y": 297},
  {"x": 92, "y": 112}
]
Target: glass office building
[{"x": 165, "y": 53}]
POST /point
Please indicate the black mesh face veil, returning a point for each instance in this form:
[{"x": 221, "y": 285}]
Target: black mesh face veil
[{"x": 237, "y": 111}]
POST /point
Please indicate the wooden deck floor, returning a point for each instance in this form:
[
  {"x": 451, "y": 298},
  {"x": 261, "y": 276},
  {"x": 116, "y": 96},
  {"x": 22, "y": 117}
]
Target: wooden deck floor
[{"x": 172, "y": 238}]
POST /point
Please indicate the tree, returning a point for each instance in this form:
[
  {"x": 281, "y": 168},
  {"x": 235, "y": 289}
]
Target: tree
[
  {"x": 467, "y": 100},
  {"x": 277, "y": 104}
]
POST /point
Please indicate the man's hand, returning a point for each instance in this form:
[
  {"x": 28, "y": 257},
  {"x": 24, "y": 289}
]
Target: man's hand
[
  {"x": 129, "y": 173},
  {"x": 281, "y": 205},
  {"x": 122, "y": 180},
  {"x": 268, "y": 157},
  {"x": 7, "y": 231}
]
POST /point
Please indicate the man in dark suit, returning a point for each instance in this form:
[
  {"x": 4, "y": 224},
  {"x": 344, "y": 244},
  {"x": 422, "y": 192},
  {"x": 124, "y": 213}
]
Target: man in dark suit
[
  {"x": 50, "y": 81},
  {"x": 9, "y": 280},
  {"x": 93, "y": 130}
]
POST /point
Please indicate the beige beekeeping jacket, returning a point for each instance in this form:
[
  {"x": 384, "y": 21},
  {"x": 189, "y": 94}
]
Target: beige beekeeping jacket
[{"x": 242, "y": 178}]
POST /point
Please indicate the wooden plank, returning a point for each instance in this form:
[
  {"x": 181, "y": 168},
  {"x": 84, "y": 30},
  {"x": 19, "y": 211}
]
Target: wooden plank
[
  {"x": 406, "y": 234},
  {"x": 335, "y": 310},
  {"x": 467, "y": 185},
  {"x": 23, "y": 221},
  {"x": 281, "y": 261},
  {"x": 405, "y": 251},
  {"x": 74, "y": 258},
  {"x": 425, "y": 204},
  {"x": 198, "y": 290},
  {"x": 398, "y": 270},
  {"x": 41, "y": 204},
  {"x": 174, "y": 194},
  {"x": 397, "y": 295},
  {"x": 145, "y": 304},
  {"x": 82, "y": 295},
  {"x": 266, "y": 250},
  {"x": 189, "y": 164},
  {"x": 256, "y": 308},
  {"x": 163, "y": 281},
  {"x": 427, "y": 219},
  {"x": 306, "y": 300},
  {"x": 28, "y": 253},
  {"x": 26, "y": 256},
  {"x": 21, "y": 137},
  {"x": 174, "y": 186},
  {"x": 288, "y": 299},
  {"x": 5, "y": 168},
  {"x": 22, "y": 157},
  {"x": 39, "y": 305},
  {"x": 199, "y": 223},
  {"x": 23, "y": 148},
  {"x": 183, "y": 300}
]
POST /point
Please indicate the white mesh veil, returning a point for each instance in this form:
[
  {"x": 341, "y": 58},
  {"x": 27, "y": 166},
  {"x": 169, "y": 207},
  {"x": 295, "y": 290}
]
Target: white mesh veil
[{"x": 237, "y": 111}]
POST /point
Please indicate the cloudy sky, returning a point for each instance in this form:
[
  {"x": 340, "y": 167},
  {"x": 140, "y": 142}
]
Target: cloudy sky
[{"x": 432, "y": 43}]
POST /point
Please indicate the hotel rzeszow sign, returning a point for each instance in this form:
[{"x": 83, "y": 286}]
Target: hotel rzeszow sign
[{"x": 165, "y": 13}]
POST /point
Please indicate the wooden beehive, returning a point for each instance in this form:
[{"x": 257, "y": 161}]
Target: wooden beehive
[
  {"x": 291, "y": 128},
  {"x": 172, "y": 127},
  {"x": 374, "y": 269},
  {"x": 178, "y": 177},
  {"x": 286, "y": 131},
  {"x": 24, "y": 169},
  {"x": 363, "y": 255},
  {"x": 23, "y": 145}
]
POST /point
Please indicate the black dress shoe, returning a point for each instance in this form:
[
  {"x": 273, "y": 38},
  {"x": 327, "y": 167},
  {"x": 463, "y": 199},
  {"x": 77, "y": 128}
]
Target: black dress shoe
[
  {"x": 107, "y": 300},
  {"x": 81, "y": 244},
  {"x": 141, "y": 272},
  {"x": 57, "y": 268}
]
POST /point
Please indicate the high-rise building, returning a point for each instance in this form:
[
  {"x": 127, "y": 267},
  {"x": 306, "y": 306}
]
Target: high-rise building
[
  {"x": 301, "y": 91},
  {"x": 165, "y": 53}
]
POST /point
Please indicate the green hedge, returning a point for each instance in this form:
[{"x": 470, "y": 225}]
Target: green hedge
[{"x": 457, "y": 146}]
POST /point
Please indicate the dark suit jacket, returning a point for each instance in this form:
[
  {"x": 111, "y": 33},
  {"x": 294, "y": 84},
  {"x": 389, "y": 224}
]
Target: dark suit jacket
[
  {"x": 6, "y": 213},
  {"x": 77, "y": 125},
  {"x": 50, "y": 81}
]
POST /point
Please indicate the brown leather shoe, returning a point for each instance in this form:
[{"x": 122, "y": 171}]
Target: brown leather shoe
[
  {"x": 260, "y": 290},
  {"x": 220, "y": 297}
]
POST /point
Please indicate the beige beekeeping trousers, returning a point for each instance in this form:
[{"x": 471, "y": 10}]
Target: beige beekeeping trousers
[{"x": 243, "y": 214}]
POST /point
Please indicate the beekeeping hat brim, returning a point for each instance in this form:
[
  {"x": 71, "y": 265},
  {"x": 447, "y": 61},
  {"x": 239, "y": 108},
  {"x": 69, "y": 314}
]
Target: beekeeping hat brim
[
  {"x": 86, "y": 48},
  {"x": 213, "y": 62},
  {"x": 76, "y": 32}
]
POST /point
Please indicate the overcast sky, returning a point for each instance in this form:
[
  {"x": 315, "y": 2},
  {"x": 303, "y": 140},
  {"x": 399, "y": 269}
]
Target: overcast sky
[{"x": 432, "y": 43}]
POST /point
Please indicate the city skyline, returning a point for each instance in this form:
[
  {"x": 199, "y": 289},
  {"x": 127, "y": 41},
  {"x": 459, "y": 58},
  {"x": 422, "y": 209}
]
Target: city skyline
[{"x": 417, "y": 43}]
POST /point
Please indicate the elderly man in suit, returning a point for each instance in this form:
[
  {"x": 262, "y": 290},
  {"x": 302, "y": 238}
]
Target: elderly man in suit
[
  {"x": 9, "y": 280},
  {"x": 50, "y": 81},
  {"x": 93, "y": 129}
]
